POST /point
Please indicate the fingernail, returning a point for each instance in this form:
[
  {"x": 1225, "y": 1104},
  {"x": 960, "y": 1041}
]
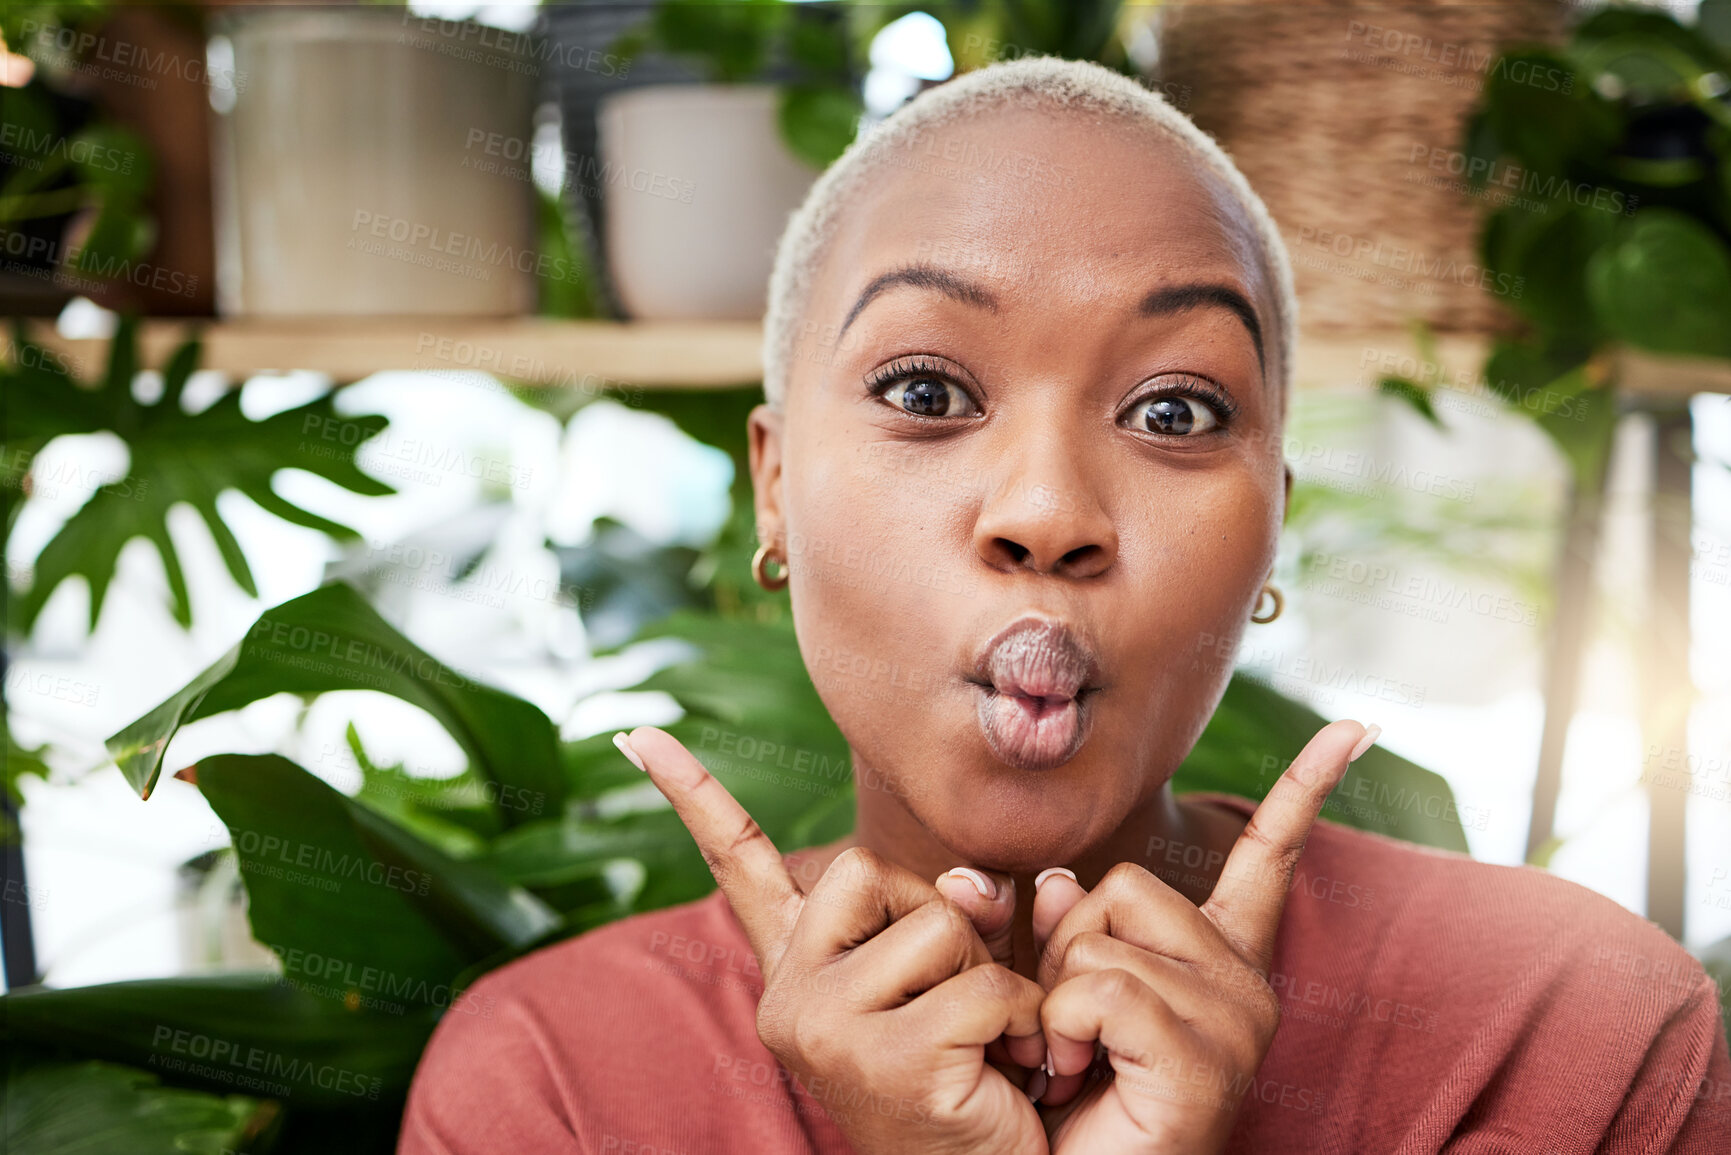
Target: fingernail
[
  {"x": 1365, "y": 742},
  {"x": 986, "y": 887},
  {"x": 1040, "y": 878},
  {"x": 624, "y": 744},
  {"x": 1036, "y": 1086},
  {"x": 1051, "y": 1067}
]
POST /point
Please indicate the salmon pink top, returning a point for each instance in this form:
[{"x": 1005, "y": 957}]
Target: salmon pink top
[{"x": 1431, "y": 1003}]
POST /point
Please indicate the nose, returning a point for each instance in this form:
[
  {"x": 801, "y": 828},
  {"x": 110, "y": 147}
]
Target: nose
[{"x": 1041, "y": 514}]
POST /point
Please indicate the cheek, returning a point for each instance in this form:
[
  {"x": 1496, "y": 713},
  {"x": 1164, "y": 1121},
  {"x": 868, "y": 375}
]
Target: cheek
[
  {"x": 1199, "y": 548},
  {"x": 880, "y": 584},
  {"x": 1193, "y": 555}
]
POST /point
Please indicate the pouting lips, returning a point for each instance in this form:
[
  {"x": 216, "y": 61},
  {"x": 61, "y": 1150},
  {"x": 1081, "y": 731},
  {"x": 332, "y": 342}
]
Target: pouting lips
[{"x": 1034, "y": 679}]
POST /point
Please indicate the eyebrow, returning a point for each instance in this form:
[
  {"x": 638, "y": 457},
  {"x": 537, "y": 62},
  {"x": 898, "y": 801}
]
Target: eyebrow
[
  {"x": 1178, "y": 298},
  {"x": 1158, "y": 303},
  {"x": 923, "y": 276}
]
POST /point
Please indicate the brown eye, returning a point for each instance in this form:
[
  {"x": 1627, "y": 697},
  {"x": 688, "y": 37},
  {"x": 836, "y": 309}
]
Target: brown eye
[
  {"x": 1178, "y": 416},
  {"x": 927, "y": 396}
]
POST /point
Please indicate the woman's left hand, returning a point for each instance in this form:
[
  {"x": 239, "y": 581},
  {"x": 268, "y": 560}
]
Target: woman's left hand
[{"x": 1176, "y": 995}]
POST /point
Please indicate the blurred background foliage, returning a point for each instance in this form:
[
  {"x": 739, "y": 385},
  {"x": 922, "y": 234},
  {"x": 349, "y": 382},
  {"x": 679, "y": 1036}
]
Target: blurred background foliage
[
  {"x": 541, "y": 837},
  {"x": 537, "y": 839},
  {"x": 1643, "y": 130}
]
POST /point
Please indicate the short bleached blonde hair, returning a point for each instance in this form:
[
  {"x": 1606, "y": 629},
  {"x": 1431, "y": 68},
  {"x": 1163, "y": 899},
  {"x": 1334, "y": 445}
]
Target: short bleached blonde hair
[{"x": 1046, "y": 82}]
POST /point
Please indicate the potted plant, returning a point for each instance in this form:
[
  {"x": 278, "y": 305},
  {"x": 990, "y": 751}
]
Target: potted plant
[
  {"x": 692, "y": 130},
  {"x": 373, "y": 162}
]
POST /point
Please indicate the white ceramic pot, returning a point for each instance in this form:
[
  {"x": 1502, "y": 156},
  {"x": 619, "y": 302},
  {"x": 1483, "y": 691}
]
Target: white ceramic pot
[
  {"x": 697, "y": 186},
  {"x": 364, "y": 168}
]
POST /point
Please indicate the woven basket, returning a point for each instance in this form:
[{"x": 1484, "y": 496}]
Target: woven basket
[{"x": 1347, "y": 120}]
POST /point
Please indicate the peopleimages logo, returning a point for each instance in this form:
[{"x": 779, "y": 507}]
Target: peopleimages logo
[
  {"x": 110, "y": 58},
  {"x": 1479, "y": 169},
  {"x": 231, "y": 1062},
  {"x": 464, "y": 246},
  {"x": 285, "y": 857},
  {"x": 1400, "y": 258}
]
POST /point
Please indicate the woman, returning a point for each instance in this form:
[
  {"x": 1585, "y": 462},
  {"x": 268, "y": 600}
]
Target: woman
[{"x": 1027, "y": 360}]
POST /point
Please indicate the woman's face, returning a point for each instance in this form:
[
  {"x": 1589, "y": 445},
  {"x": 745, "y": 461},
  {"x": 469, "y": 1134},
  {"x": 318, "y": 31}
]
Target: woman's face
[{"x": 1062, "y": 422}]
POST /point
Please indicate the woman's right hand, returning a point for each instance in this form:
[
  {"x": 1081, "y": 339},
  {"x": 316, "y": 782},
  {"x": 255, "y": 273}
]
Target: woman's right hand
[{"x": 879, "y": 995}]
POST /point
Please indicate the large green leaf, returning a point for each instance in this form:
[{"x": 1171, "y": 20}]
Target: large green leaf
[
  {"x": 730, "y": 41},
  {"x": 92, "y": 1108},
  {"x": 1664, "y": 284},
  {"x": 176, "y": 457},
  {"x": 1555, "y": 387},
  {"x": 216, "y": 1033},
  {"x": 1648, "y": 50},
  {"x": 1256, "y": 733},
  {"x": 353, "y": 904},
  {"x": 1078, "y": 29},
  {"x": 331, "y": 639},
  {"x": 818, "y": 121},
  {"x": 1543, "y": 111}
]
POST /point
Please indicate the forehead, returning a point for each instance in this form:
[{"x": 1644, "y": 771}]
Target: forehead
[{"x": 1046, "y": 201}]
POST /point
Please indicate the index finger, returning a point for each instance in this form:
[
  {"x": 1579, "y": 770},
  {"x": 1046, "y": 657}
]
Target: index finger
[
  {"x": 745, "y": 863},
  {"x": 1251, "y": 894}
]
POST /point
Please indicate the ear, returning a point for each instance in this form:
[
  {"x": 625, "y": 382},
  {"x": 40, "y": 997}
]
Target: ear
[
  {"x": 1286, "y": 498},
  {"x": 764, "y": 436}
]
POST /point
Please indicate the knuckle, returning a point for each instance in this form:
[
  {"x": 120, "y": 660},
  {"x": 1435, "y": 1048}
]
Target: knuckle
[
  {"x": 1280, "y": 858},
  {"x": 1123, "y": 880},
  {"x": 855, "y": 868},
  {"x": 813, "y": 1038},
  {"x": 1268, "y": 1017},
  {"x": 1117, "y": 986},
  {"x": 719, "y": 864},
  {"x": 995, "y": 983},
  {"x": 1259, "y": 1014},
  {"x": 1087, "y": 952},
  {"x": 953, "y": 932},
  {"x": 1052, "y": 956},
  {"x": 748, "y": 832},
  {"x": 773, "y": 1024}
]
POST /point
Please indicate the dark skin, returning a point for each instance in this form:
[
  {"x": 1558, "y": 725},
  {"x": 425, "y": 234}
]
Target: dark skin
[
  {"x": 1043, "y": 440},
  {"x": 1132, "y": 516}
]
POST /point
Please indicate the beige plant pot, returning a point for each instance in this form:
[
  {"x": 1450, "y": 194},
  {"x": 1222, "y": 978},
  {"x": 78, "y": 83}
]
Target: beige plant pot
[
  {"x": 361, "y": 168},
  {"x": 697, "y": 187}
]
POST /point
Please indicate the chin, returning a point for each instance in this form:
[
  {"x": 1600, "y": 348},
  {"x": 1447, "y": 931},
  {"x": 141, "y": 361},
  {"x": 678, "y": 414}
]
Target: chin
[{"x": 1012, "y": 832}]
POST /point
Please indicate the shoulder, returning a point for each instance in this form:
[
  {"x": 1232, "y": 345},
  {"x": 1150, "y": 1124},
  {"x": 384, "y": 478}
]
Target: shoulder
[
  {"x": 584, "y": 1035},
  {"x": 639, "y": 953},
  {"x": 672, "y": 971},
  {"x": 1460, "y": 921},
  {"x": 1425, "y": 992}
]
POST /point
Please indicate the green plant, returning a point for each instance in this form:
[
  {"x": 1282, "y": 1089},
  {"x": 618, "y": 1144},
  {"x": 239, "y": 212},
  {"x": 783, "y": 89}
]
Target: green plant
[
  {"x": 1620, "y": 146},
  {"x": 64, "y": 157},
  {"x": 1615, "y": 150},
  {"x": 734, "y": 41},
  {"x": 175, "y": 456},
  {"x": 980, "y": 32},
  {"x": 538, "y": 839}
]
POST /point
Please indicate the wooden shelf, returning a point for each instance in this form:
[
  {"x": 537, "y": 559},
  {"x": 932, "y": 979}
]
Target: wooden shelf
[
  {"x": 717, "y": 354},
  {"x": 577, "y": 354}
]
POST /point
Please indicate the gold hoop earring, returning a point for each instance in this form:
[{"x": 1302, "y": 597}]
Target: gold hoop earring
[
  {"x": 1279, "y": 604},
  {"x": 759, "y": 570}
]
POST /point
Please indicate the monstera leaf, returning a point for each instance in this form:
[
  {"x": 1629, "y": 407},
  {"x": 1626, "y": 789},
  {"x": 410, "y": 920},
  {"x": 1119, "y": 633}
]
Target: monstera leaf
[
  {"x": 176, "y": 457},
  {"x": 331, "y": 639}
]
